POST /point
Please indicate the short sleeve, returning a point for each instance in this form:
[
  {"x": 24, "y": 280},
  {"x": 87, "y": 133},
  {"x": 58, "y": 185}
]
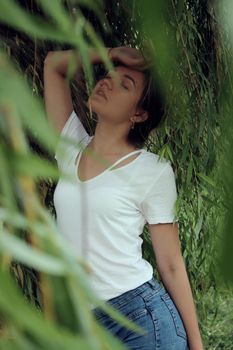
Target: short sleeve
[
  {"x": 75, "y": 131},
  {"x": 158, "y": 205}
]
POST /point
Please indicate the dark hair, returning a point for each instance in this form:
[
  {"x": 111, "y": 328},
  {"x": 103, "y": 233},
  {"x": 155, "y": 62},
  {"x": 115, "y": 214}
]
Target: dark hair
[{"x": 152, "y": 100}]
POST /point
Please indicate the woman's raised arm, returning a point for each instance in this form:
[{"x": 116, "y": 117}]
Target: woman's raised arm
[{"x": 57, "y": 93}]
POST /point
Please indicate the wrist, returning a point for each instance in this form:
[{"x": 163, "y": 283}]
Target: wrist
[
  {"x": 198, "y": 345},
  {"x": 95, "y": 56}
]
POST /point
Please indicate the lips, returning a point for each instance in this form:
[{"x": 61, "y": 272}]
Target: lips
[{"x": 101, "y": 92}]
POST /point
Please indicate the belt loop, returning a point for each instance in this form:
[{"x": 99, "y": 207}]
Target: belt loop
[
  {"x": 150, "y": 283},
  {"x": 154, "y": 283}
]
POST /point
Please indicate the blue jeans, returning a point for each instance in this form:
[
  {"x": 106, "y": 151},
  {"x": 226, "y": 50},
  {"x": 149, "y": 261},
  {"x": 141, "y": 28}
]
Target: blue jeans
[{"x": 151, "y": 307}]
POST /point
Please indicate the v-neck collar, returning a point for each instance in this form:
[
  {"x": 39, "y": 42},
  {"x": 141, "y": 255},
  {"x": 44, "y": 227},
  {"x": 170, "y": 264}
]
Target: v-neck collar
[{"x": 78, "y": 157}]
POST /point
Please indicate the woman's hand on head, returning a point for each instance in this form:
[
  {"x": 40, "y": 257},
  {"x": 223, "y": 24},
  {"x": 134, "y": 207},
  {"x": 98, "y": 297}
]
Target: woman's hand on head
[{"x": 129, "y": 56}]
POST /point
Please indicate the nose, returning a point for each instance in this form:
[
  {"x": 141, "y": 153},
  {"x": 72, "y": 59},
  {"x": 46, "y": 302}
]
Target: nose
[{"x": 104, "y": 82}]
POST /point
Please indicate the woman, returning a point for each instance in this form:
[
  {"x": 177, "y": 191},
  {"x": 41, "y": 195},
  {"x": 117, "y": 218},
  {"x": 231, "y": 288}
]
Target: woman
[{"x": 103, "y": 211}]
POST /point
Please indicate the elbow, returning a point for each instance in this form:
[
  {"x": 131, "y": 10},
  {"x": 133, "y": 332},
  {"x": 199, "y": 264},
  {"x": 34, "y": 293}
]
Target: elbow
[{"x": 171, "y": 266}]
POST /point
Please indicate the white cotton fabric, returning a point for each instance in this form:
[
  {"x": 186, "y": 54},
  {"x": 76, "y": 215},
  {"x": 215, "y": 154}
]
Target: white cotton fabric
[{"x": 103, "y": 217}]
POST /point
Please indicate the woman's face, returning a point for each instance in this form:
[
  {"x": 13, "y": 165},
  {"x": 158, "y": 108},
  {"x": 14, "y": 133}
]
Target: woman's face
[{"x": 122, "y": 94}]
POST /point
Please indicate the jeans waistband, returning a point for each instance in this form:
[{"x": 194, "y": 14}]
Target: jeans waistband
[{"x": 127, "y": 296}]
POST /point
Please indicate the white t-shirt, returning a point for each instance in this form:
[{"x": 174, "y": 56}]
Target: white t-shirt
[{"x": 103, "y": 217}]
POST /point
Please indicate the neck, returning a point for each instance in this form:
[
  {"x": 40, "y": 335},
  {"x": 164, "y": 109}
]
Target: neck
[{"x": 110, "y": 140}]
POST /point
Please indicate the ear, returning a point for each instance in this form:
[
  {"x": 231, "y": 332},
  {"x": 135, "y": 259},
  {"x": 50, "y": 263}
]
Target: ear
[{"x": 141, "y": 116}]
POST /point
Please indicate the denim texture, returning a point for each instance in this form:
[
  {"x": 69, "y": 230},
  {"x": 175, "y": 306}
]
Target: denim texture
[{"x": 151, "y": 307}]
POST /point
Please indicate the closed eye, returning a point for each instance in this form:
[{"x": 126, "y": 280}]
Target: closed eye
[{"x": 108, "y": 77}]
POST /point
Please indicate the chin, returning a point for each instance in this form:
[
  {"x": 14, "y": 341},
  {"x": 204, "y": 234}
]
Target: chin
[{"x": 95, "y": 105}]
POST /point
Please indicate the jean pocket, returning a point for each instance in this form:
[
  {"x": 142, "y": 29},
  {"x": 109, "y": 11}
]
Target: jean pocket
[
  {"x": 134, "y": 315},
  {"x": 179, "y": 326}
]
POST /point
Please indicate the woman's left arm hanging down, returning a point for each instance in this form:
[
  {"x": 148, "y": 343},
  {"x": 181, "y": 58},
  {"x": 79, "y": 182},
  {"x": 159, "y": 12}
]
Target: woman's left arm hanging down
[{"x": 171, "y": 267}]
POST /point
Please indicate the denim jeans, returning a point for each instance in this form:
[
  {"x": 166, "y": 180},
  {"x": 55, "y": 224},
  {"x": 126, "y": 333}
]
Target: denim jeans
[{"x": 151, "y": 307}]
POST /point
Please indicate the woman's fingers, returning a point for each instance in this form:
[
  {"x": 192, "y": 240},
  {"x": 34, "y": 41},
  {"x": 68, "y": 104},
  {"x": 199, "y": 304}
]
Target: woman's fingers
[{"x": 129, "y": 56}]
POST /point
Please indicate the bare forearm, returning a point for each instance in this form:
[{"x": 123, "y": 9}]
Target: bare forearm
[
  {"x": 177, "y": 284},
  {"x": 58, "y": 61}
]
